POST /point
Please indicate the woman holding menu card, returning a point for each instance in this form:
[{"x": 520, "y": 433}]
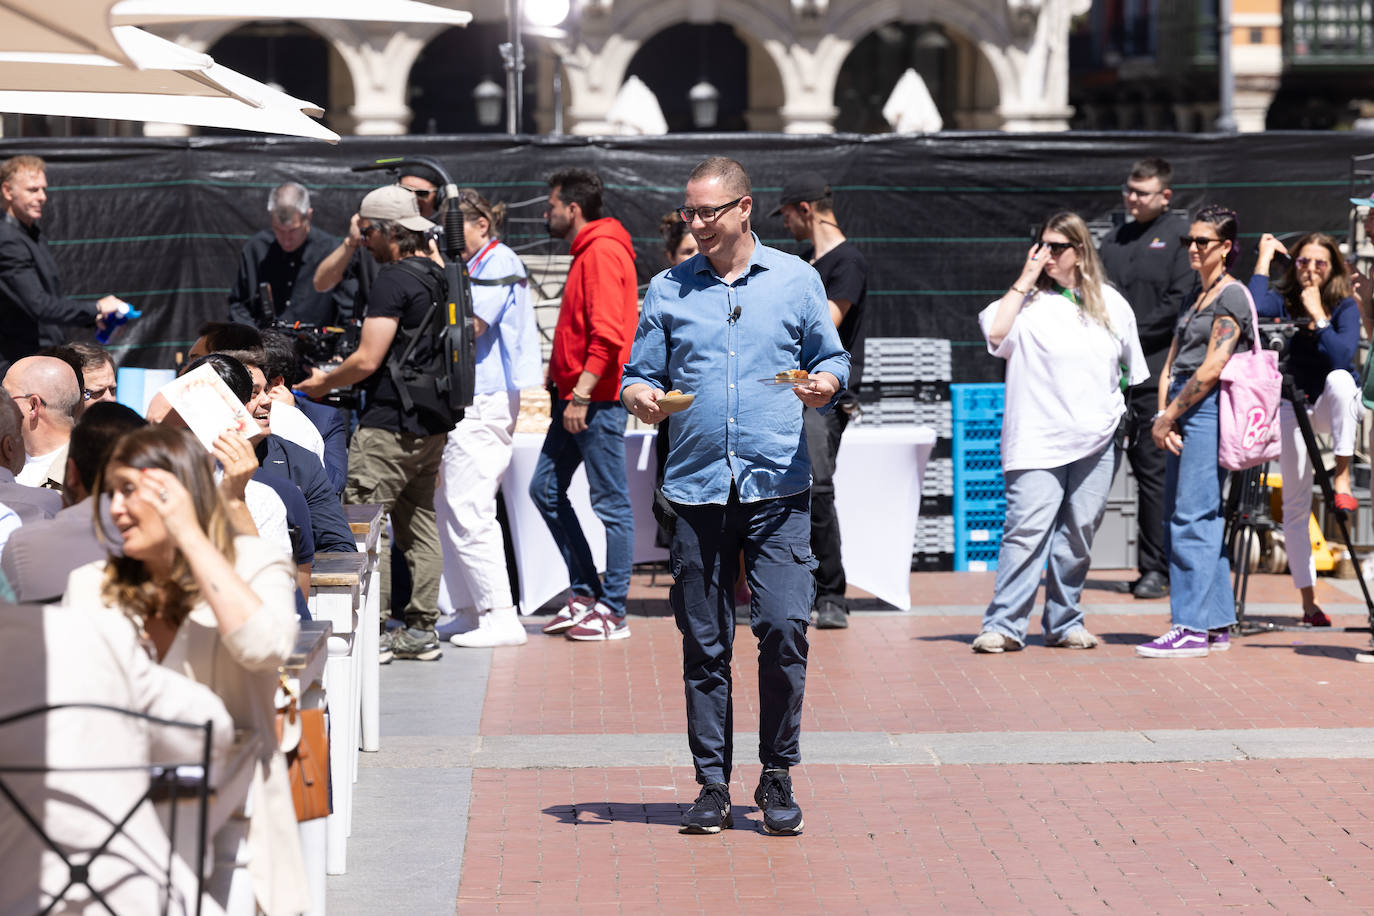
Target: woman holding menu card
[{"x": 218, "y": 607}]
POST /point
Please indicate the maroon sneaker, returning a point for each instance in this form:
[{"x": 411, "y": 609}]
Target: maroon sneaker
[
  {"x": 600, "y": 626},
  {"x": 570, "y": 615}
]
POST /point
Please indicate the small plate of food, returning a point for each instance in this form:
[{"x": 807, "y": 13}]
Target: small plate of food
[
  {"x": 795, "y": 378},
  {"x": 674, "y": 401}
]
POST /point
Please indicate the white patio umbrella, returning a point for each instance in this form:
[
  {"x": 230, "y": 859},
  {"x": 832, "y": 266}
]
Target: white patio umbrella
[
  {"x": 174, "y": 84},
  {"x": 635, "y": 111},
  {"x": 61, "y": 26},
  {"x": 910, "y": 109},
  {"x": 203, "y": 111},
  {"x": 169, "y": 12}
]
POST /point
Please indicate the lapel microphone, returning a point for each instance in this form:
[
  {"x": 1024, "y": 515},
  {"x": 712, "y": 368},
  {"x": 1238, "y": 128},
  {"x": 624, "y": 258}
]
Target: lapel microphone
[{"x": 734, "y": 316}]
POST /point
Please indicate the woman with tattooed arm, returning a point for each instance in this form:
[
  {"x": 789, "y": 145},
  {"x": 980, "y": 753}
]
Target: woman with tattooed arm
[{"x": 1208, "y": 332}]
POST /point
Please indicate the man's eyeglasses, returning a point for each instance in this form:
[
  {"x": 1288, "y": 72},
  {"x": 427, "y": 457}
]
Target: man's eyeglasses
[
  {"x": 707, "y": 214},
  {"x": 95, "y": 394},
  {"x": 1138, "y": 193},
  {"x": 1057, "y": 248},
  {"x": 367, "y": 230},
  {"x": 1202, "y": 242},
  {"x": 1314, "y": 263}
]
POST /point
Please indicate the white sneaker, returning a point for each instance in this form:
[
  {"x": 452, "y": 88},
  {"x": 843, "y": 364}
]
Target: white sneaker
[
  {"x": 498, "y": 627},
  {"x": 990, "y": 641}
]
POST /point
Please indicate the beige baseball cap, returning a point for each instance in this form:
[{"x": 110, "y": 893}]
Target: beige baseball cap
[{"x": 397, "y": 204}]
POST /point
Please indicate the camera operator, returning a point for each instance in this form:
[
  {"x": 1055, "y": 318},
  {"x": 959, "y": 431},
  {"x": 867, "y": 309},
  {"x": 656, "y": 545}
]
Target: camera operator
[
  {"x": 396, "y": 453},
  {"x": 350, "y": 258},
  {"x": 1315, "y": 292},
  {"x": 283, "y": 259}
]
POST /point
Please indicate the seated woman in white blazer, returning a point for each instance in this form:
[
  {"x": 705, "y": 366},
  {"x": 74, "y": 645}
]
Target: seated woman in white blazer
[{"x": 218, "y": 607}]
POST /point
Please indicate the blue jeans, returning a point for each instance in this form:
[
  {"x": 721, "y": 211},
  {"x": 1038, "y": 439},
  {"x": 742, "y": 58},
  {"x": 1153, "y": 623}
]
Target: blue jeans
[
  {"x": 1200, "y": 596},
  {"x": 775, "y": 536},
  {"x": 601, "y": 447},
  {"x": 1052, "y": 511}
]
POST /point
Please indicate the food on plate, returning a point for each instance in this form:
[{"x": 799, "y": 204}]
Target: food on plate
[{"x": 792, "y": 375}]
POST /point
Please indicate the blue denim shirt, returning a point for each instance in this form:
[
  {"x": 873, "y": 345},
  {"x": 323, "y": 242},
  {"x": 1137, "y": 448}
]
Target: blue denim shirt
[{"x": 737, "y": 429}]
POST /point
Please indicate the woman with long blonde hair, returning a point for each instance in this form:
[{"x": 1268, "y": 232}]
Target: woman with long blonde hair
[
  {"x": 217, "y": 607},
  {"x": 1070, "y": 343}
]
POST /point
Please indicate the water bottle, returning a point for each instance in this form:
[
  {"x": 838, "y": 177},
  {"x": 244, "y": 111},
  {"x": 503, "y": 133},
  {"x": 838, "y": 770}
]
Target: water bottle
[{"x": 114, "y": 322}]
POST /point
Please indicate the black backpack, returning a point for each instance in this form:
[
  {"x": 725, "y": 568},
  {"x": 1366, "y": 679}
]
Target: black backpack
[{"x": 433, "y": 365}]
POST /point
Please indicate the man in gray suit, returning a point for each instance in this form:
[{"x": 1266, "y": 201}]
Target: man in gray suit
[
  {"x": 30, "y": 503},
  {"x": 40, "y": 555}
]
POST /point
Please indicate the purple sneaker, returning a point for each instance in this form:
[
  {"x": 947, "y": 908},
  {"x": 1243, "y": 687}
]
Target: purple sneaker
[
  {"x": 1219, "y": 640},
  {"x": 1177, "y": 643}
]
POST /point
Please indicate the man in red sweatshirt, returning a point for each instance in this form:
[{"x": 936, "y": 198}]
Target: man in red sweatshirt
[{"x": 596, "y": 327}]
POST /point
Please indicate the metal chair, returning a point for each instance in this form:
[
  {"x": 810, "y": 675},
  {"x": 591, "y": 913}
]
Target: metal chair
[{"x": 169, "y": 781}]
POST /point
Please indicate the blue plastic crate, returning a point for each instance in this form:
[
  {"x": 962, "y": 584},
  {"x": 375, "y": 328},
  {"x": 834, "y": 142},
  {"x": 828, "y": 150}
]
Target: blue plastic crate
[
  {"x": 977, "y": 402},
  {"x": 981, "y": 488},
  {"x": 977, "y": 556},
  {"x": 978, "y": 534},
  {"x": 977, "y": 458}
]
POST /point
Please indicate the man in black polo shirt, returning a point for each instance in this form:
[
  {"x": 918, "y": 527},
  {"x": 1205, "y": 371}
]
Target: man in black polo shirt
[
  {"x": 808, "y": 211},
  {"x": 1146, "y": 262},
  {"x": 285, "y": 257},
  {"x": 396, "y": 452},
  {"x": 34, "y": 313}
]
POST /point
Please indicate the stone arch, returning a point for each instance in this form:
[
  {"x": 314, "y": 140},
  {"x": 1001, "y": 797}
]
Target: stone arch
[
  {"x": 368, "y": 71},
  {"x": 1021, "y": 45},
  {"x": 599, "y": 65},
  {"x": 450, "y": 65}
]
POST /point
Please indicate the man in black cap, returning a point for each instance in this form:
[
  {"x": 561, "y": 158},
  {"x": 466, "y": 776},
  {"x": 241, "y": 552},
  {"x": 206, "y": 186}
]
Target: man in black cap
[{"x": 809, "y": 214}]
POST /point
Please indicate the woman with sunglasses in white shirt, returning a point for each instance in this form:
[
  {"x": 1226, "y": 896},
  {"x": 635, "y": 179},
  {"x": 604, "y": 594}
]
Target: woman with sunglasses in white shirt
[{"x": 1070, "y": 343}]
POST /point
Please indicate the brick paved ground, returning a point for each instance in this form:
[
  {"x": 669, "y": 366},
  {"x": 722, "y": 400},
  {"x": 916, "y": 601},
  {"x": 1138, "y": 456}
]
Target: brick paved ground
[
  {"x": 1235, "y": 782},
  {"x": 1288, "y": 835}
]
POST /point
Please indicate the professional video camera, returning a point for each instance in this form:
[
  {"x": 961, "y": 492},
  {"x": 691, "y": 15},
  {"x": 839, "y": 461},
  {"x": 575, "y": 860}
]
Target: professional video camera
[{"x": 318, "y": 345}]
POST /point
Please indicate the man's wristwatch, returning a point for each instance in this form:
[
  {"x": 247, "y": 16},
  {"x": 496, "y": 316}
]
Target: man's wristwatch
[
  {"x": 1322, "y": 324},
  {"x": 579, "y": 401}
]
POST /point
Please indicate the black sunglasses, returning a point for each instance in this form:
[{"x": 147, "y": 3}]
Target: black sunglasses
[
  {"x": 1057, "y": 248},
  {"x": 707, "y": 214},
  {"x": 1202, "y": 242}
]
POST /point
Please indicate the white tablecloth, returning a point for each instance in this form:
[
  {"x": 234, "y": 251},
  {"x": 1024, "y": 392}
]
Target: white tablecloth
[{"x": 877, "y": 497}]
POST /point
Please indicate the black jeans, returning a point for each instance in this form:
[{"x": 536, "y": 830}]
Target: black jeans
[
  {"x": 823, "y": 431},
  {"x": 1147, "y": 463},
  {"x": 707, "y": 540}
]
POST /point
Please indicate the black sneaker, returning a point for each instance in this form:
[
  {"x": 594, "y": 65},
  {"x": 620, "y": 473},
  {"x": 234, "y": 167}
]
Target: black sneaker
[
  {"x": 415, "y": 643},
  {"x": 1151, "y": 586},
  {"x": 831, "y": 615},
  {"x": 710, "y": 812},
  {"x": 781, "y": 815}
]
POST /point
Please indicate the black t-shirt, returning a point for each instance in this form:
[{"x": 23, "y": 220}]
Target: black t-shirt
[
  {"x": 844, "y": 272},
  {"x": 291, "y": 277},
  {"x": 397, "y": 293},
  {"x": 1150, "y": 268}
]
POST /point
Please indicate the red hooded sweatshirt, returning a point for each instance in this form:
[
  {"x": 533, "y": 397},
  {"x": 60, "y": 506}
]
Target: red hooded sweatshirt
[{"x": 599, "y": 311}]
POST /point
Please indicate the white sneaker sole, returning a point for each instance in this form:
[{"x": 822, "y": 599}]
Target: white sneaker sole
[
  {"x": 601, "y": 637},
  {"x": 1171, "y": 653}
]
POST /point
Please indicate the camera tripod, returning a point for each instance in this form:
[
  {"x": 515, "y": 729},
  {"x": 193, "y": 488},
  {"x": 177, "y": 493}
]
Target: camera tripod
[{"x": 1248, "y": 514}]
